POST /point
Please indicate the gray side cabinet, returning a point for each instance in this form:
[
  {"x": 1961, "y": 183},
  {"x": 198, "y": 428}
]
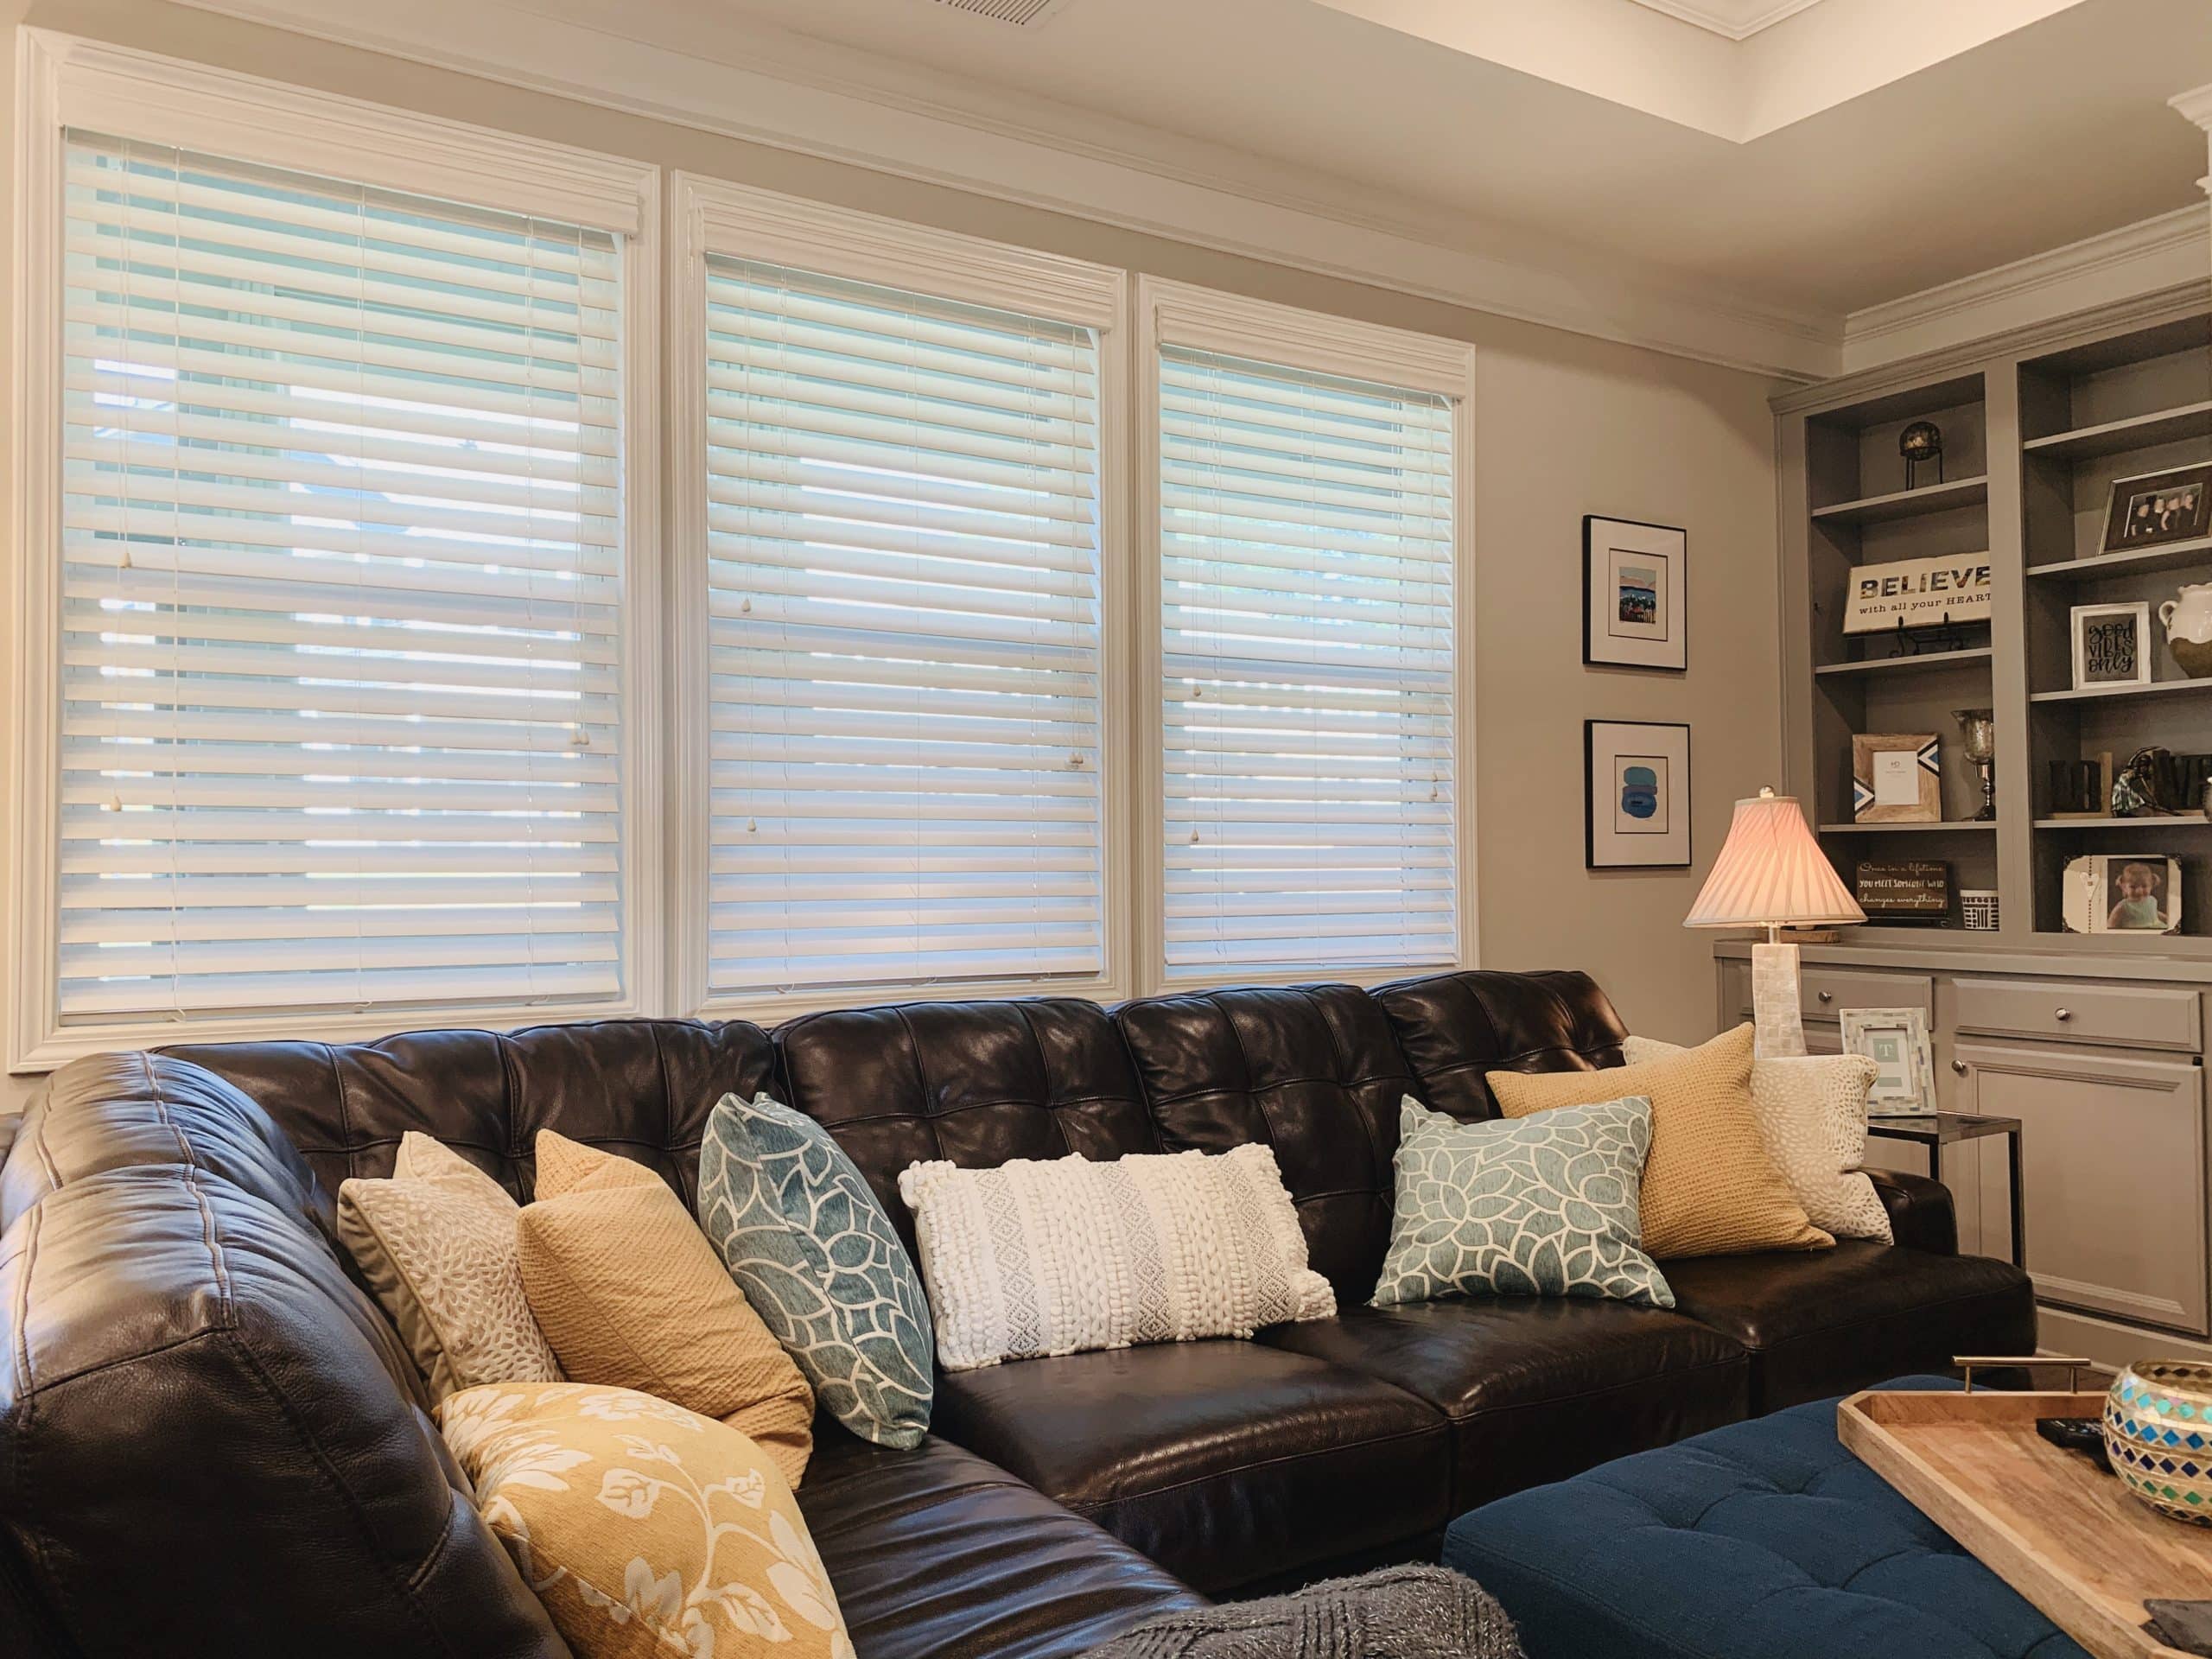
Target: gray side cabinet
[{"x": 2105, "y": 1074}]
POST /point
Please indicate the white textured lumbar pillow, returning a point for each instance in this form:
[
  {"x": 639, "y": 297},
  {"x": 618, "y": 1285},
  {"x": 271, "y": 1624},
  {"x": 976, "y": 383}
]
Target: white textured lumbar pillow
[
  {"x": 1032, "y": 1259},
  {"x": 1812, "y": 1116}
]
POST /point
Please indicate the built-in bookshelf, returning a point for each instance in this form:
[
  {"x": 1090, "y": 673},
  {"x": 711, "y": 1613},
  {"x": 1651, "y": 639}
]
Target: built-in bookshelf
[{"x": 2035, "y": 427}]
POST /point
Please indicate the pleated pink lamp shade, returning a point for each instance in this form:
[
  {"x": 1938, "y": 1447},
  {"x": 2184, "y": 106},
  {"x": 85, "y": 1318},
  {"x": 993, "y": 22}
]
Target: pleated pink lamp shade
[{"x": 1772, "y": 873}]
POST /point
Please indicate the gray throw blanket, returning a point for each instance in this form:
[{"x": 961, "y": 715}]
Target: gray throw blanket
[{"x": 1401, "y": 1612}]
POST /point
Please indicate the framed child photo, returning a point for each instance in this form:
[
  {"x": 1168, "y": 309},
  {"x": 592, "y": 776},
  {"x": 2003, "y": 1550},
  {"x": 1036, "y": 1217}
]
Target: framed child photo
[
  {"x": 1634, "y": 595},
  {"x": 1636, "y": 795}
]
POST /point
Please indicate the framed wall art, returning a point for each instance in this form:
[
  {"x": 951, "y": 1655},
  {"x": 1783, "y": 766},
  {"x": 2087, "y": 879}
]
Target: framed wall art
[
  {"x": 1919, "y": 593},
  {"x": 2112, "y": 645},
  {"x": 1634, "y": 595},
  {"x": 1635, "y": 795},
  {"x": 1895, "y": 1039},
  {"x": 2151, "y": 509},
  {"x": 1896, "y": 777}
]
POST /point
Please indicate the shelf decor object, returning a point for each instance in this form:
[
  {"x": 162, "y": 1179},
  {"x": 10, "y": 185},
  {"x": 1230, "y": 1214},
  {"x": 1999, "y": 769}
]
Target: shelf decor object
[
  {"x": 1634, "y": 595},
  {"x": 1771, "y": 874},
  {"x": 1979, "y": 728},
  {"x": 2188, "y": 622},
  {"x": 1636, "y": 786},
  {"x": 1903, "y": 890},
  {"x": 1919, "y": 593},
  {"x": 1896, "y": 777},
  {"x": 2122, "y": 892},
  {"x": 2151, "y": 509},
  {"x": 1895, "y": 1039},
  {"x": 1920, "y": 442},
  {"x": 1978, "y": 909},
  {"x": 2112, "y": 645}
]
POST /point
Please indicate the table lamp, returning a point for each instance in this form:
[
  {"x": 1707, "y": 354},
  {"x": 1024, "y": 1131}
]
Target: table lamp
[{"x": 1771, "y": 874}]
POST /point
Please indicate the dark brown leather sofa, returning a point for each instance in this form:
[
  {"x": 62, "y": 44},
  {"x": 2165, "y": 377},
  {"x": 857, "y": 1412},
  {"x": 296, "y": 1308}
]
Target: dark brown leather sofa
[{"x": 215, "y": 1444}]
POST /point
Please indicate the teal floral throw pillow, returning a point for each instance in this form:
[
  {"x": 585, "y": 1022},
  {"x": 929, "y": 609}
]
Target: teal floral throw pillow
[
  {"x": 1541, "y": 1206},
  {"x": 814, "y": 1254}
]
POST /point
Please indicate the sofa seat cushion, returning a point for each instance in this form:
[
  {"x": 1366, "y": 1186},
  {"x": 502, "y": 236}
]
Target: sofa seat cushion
[
  {"x": 1537, "y": 1389},
  {"x": 934, "y": 1553},
  {"x": 1228, "y": 1462},
  {"x": 1840, "y": 1319}
]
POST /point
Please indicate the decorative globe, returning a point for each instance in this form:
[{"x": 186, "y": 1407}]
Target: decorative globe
[
  {"x": 2158, "y": 1435},
  {"x": 1921, "y": 440}
]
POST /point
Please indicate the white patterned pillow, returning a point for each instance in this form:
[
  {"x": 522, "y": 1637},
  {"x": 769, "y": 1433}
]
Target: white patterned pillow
[
  {"x": 436, "y": 1243},
  {"x": 1032, "y": 1259},
  {"x": 1812, "y": 1116}
]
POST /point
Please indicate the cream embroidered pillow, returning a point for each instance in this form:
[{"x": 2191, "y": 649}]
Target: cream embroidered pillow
[
  {"x": 1031, "y": 1258},
  {"x": 632, "y": 1295},
  {"x": 436, "y": 1243},
  {"x": 648, "y": 1531},
  {"x": 1709, "y": 1187},
  {"x": 1812, "y": 1115}
]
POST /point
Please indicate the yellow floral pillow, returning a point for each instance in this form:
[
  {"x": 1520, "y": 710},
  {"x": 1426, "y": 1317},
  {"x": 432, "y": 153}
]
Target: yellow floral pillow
[{"x": 649, "y": 1531}]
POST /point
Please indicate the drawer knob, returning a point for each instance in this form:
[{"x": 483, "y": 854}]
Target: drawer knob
[
  {"x": 2062, "y": 1013},
  {"x": 1828, "y": 996},
  {"x": 1959, "y": 1067}
]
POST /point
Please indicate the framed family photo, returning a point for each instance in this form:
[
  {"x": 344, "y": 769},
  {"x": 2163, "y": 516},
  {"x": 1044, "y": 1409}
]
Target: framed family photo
[
  {"x": 2151, "y": 509},
  {"x": 1634, "y": 595},
  {"x": 1636, "y": 795}
]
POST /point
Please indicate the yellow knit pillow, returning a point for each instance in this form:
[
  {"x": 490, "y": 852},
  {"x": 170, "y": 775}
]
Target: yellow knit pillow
[
  {"x": 631, "y": 1294},
  {"x": 1709, "y": 1187},
  {"x": 648, "y": 1531}
]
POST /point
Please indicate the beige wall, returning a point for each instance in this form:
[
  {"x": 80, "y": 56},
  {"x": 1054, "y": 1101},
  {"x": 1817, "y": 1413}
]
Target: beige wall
[{"x": 1564, "y": 425}]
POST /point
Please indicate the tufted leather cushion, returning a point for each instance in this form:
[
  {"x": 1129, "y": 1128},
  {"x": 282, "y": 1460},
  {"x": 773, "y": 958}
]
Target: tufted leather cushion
[
  {"x": 188, "y": 1368},
  {"x": 1313, "y": 1073},
  {"x": 639, "y": 1088},
  {"x": 976, "y": 1083},
  {"x": 1763, "y": 1538},
  {"x": 1453, "y": 1027},
  {"x": 1922, "y": 1215},
  {"x": 938, "y": 1555}
]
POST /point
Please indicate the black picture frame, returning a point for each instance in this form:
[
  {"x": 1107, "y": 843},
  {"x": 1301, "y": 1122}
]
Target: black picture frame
[
  {"x": 1679, "y": 794},
  {"x": 1669, "y": 654},
  {"x": 2132, "y": 518}
]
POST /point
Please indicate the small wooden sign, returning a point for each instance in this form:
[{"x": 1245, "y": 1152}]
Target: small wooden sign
[
  {"x": 1918, "y": 594},
  {"x": 1911, "y": 890}
]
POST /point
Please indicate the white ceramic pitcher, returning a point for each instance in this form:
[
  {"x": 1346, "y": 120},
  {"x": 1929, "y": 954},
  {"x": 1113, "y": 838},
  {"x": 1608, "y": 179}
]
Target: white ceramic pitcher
[{"x": 2187, "y": 623}]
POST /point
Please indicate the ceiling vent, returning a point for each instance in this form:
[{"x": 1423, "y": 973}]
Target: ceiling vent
[{"x": 1020, "y": 13}]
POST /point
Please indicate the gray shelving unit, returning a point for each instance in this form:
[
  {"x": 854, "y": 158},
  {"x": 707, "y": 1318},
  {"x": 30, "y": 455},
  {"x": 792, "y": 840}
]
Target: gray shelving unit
[{"x": 2036, "y": 426}]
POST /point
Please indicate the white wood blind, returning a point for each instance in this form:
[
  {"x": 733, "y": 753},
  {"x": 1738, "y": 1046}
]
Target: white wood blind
[
  {"x": 904, "y": 597},
  {"x": 340, "y": 584},
  {"x": 1306, "y": 655}
]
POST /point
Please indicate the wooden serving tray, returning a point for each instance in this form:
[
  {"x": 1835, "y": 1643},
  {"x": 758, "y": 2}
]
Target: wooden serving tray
[{"x": 2050, "y": 1523}]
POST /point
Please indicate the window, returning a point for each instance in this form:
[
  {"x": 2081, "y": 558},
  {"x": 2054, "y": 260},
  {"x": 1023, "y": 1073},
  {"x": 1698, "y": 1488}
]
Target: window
[
  {"x": 1309, "y": 528},
  {"x": 334, "y": 567},
  {"x": 903, "y": 589}
]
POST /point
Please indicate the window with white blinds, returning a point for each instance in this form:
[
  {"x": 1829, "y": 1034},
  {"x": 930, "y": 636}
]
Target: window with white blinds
[
  {"x": 903, "y": 558},
  {"x": 340, "y": 583},
  {"x": 1307, "y": 659}
]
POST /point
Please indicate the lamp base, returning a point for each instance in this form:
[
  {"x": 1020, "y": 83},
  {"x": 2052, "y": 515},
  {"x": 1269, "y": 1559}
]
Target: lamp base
[{"x": 1778, "y": 1019}]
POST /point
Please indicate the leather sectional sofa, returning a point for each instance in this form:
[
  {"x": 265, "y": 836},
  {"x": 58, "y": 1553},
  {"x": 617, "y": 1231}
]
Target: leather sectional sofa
[{"x": 215, "y": 1444}]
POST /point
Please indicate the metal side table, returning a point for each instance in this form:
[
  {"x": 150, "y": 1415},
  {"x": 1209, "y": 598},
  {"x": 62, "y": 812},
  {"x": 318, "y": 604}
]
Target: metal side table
[{"x": 1939, "y": 1129}]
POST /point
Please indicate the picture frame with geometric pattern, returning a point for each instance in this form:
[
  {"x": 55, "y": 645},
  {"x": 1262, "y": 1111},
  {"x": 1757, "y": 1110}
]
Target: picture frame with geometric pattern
[{"x": 1896, "y": 777}]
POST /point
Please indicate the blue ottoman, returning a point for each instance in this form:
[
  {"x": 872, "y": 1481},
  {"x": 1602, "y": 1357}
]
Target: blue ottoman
[{"x": 1765, "y": 1539}]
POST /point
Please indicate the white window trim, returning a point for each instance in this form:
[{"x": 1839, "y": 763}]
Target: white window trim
[
  {"x": 1207, "y": 319},
  {"x": 711, "y": 216},
  {"x": 64, "y": 81}
]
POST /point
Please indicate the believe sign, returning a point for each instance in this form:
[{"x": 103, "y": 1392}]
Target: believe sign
[{"x": 1917, "y": 593}]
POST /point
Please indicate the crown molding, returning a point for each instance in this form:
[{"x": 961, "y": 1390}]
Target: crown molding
[
  {"x": 1729, "y": 23},
  {"x": 792, "y": 98},
  {"x": 2195, "y": 106},
  {"x": 2150, "y": 257}
]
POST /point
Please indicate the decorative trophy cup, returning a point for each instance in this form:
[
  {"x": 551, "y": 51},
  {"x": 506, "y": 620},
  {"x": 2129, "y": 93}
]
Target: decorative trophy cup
[{"x": 1979, "y": 728}]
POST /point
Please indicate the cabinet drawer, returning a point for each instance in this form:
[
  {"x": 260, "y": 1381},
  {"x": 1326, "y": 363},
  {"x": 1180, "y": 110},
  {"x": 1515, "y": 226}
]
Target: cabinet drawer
[
  {"x": 1825, "y": 992},
  {"x": 2138, "y": 1016}
]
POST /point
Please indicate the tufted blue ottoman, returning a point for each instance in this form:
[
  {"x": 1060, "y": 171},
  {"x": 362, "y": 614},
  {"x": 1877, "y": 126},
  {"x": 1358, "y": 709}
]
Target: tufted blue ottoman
[{"x": 1765, "y": 1539}]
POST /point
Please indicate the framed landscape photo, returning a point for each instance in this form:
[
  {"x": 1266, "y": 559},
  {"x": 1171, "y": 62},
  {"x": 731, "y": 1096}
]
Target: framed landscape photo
[
  {"x": 2151, "y": 509},
  {"x": 1635, "y": 795},
  {"x": 2112, "y": 645},
  {"x": 1634, "y": 595},
  {"x": 1896, "y": 777},
  {"x": 1895, "y": 1039}
]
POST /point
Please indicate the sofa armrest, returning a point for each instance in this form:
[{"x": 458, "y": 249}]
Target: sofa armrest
[{"x": 1921, "y": 1215}]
